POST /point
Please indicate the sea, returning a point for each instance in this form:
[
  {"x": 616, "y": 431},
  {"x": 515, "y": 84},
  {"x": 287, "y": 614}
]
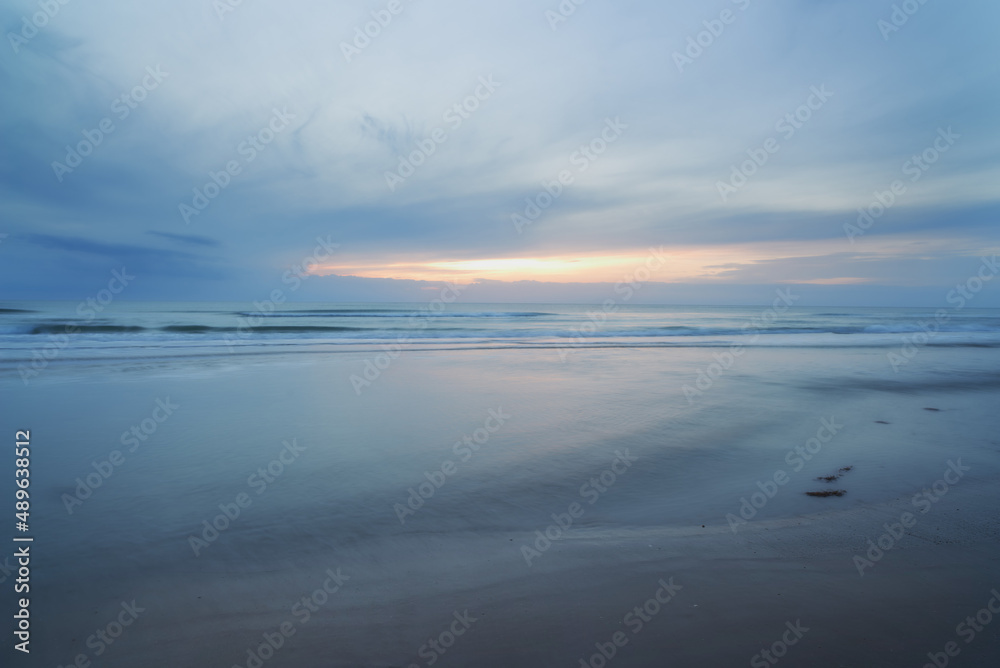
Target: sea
[{"x": 34, "y": 333}]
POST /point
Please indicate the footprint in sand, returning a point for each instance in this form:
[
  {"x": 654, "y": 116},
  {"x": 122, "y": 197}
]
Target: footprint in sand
[
  {"x": 830, "y": 478},
  {"x": 835, "y": 476}
]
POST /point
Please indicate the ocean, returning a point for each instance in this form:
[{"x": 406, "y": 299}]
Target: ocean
[{"x": 87, "y": 331}]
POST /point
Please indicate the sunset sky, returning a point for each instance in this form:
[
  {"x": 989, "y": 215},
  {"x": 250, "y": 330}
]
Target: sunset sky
[{"x": 539, "y": 155}]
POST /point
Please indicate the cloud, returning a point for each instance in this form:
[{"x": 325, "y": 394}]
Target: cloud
[
  {"x": 187, "y": 238},
  {"x": 656, "y": 185},
  {"x": 86, "y": 255}
]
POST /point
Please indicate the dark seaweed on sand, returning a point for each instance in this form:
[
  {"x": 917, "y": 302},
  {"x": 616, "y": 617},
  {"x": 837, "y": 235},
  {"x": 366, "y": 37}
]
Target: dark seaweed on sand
[{"x": 829, "y": 492}]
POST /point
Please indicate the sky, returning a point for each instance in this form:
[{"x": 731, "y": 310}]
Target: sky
[{"x": 535, "y": 151}]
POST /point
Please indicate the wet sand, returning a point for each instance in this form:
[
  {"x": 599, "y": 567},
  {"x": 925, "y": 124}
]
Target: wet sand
[{"x": 455, "y": 571}]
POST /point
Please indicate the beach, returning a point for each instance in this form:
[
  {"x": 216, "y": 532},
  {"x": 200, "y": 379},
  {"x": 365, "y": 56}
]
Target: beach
[
  {"x": 553, "y": 334},
  {"x": 514, "y": 507}
]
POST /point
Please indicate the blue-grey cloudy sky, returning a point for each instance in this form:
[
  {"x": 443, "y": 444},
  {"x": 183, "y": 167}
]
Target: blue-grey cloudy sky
[{"x": 319, "y": 126}]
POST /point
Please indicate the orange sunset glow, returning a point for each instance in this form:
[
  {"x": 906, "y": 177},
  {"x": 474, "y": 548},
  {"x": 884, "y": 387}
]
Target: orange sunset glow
[
  {"x": 559, "y": 269},
  {"x": 666, "y": 264}
]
